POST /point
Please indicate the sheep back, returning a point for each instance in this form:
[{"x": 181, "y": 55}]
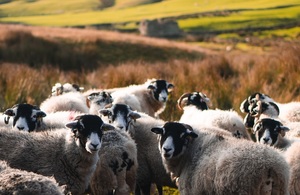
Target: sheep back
[
  {"x": 15, "y": 181},
  {"x": 241, "y": 167},
  {"x": 292, "y": 155},
  {"x": 116, "y": 169}
]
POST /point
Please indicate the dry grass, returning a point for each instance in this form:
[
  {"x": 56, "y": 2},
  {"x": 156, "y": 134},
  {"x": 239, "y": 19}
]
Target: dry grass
[{"x": 227, "y": 78}]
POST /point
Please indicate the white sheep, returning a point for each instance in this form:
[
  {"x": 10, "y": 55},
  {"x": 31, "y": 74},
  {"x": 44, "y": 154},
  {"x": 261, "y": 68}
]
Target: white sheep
[
  {"x": 151, "y": 169},
  {"x": 72, "y": 101},
  {"x": 289, "y": 111},
  {"x": 206, "y": 163},
  {"x": 272, "y": 132},
  {"x": 196, "y": 113},
  {"x": 150, "y": 97},
  {"x": 27, "y": 117},
  {"x": 292, "y": 156},
  {"x": 59, "y": 88},
  {"x": 260, "y": 110},
  {"x": 16, "y": 181},
  {"x": 69, "y": 155},
  {"x": 116, "y": 169}
]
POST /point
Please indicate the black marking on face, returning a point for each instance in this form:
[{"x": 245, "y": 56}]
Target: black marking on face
[{"x": 197, "y": 100}]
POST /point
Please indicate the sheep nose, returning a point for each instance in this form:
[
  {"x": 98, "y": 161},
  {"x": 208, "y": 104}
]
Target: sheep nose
[
  {"x": 120, "y": 127},
  {"x": 266, "y": 139},
  {"x": 20, "y": 128},
  {"x": 167, "y": 150},
  {"x": 95, "y": 145}
]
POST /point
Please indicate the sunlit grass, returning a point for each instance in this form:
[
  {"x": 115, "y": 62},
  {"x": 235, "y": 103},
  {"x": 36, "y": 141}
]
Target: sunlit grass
[
  {"x": 244, "y": 19},
  {"x": 75, "y": 13}
]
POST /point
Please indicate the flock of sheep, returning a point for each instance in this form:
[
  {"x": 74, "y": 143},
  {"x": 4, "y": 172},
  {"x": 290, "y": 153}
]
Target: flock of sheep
[{"x": 112, "y": 141}]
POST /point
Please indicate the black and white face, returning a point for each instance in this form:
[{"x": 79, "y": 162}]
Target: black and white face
[
  {"x": 120, "y": 116},
  {"x": 173, "y": 139},
  {"x": 253, "y": 98},
  {"x": 198, "y": 99},
  {"x": 88, "y": 131},
  {"x": 161, "y": 89},
  {"x": 267, "y": 131},
  {"x": 99, "y": 100},
  {"x": 25, "y": 117}
]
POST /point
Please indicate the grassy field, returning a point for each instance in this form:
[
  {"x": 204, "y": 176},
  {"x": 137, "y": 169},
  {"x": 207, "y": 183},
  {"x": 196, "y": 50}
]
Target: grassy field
[{"x": 83, "y": 13}]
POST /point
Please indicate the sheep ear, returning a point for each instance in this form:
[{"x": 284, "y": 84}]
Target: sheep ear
[
  {"x": 282, "y": 130},
  {"x": 151, "y": 87},
  {"x": 71, "y": 125},
  {"x": 191, "y": 134},
  {"x": 158, "y": 130},
  {"x": 245, "y": 106},
  {"x": 170, "y": 87},
  {"x": 134, "y": 115},
  {"x": 40, "y": 114},
  {"x": 9, "y": 112},
  {"x": 106, "y": 127},
  {"x": 105, "y": 112},
  {"x": 249, "y": 121}
]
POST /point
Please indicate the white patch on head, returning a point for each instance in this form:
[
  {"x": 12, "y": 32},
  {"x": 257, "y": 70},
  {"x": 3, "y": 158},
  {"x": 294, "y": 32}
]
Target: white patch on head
[
  {"x": 93, "y": 143},
  {"x": 163, "y": 96},
  {"x": 168, "y": 148},
  {"x": 21, "y": 125},
  {"x": 266, "y": 138},
  {"x": 120, "y": 122}
]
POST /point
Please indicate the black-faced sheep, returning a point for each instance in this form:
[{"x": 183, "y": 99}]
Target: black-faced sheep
[
  {"x": 150, "y": 97},
  {"x": 69, "y": 155},
  {"x": 150, "y": 168},
  {"x": 117, "y": 167},
  {"x": 16, "y": 181},
  {"x": 197, "y": 114},
  {"x": 97, "y": 101},
  {"x": 27, "y": 117},
  {"x": 272, "y": 132},
  {"x": 289, "y": 111},
  {"x": 206, "y": 163}
]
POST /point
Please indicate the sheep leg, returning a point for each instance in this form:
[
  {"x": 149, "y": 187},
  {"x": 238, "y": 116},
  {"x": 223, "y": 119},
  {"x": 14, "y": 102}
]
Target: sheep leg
[{"x": 123, "y": 188}]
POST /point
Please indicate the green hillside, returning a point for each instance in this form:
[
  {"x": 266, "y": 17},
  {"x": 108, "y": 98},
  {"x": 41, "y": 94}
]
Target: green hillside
[{"x": 212, "y": 15}]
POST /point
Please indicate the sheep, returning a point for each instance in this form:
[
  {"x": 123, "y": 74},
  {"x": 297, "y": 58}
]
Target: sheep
[
  {"x": 98, "y": 100},
  {"x": 27, "y": 117},
  {"x": 288, "y": 111},
  {"x": 69, "y": 155},
  {"x": 16, "y": 181},
  {"x": 292, "y": 156},
  {"x": 207, "y": 163},
  {"x": 260, "y": 110},
  {"x": 72, "y": 101},
  {"x": 196, "y": 113},
  {"x": 272, "y": 132},
  {"x": 116, "y": 169},
  {"x": 150, "y": 97},
  {"x": 150, "y": 169},
  {"x": 59, "y": 88}
]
